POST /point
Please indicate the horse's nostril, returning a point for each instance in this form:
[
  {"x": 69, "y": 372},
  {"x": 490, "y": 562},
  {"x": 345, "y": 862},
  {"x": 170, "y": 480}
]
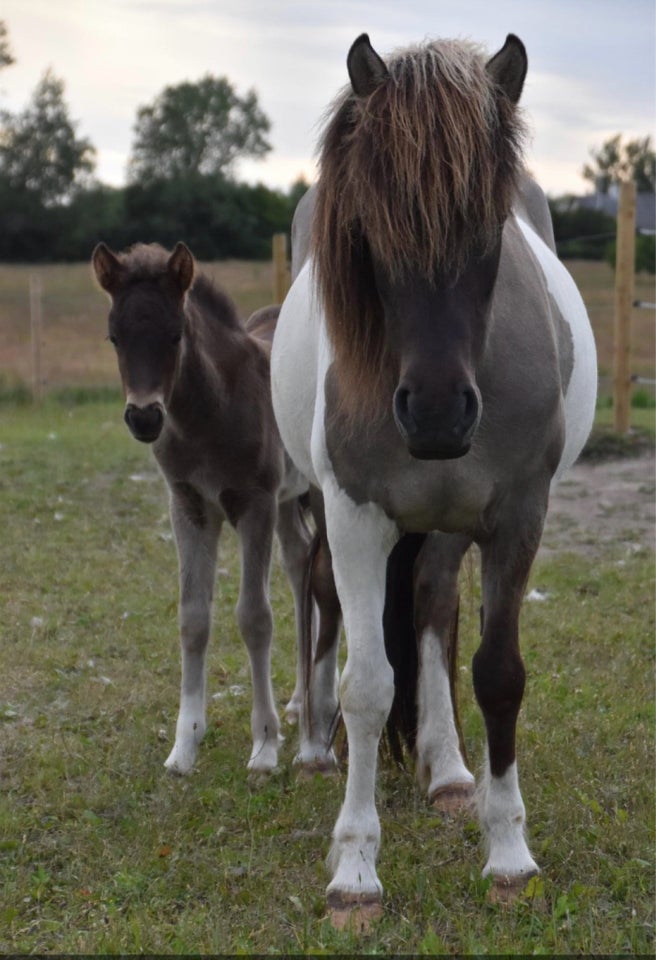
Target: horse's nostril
[
  {"x": 402, "y": 409},
  {"x": 470, "y": 406}
]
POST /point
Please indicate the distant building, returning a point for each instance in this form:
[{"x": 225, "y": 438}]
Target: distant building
[{"x": 607, "y": 203}]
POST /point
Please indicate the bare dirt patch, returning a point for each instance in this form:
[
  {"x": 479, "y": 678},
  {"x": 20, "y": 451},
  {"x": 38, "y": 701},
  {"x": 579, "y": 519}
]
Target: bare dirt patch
[{"x": 604, "y": 506}]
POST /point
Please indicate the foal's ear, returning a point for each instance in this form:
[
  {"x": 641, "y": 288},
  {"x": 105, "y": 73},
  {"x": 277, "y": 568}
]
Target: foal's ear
[
  {"x": 106, "y": 266},
  {"x": 180, "y": 267},
  {"x": 508, "y": 67},
  {"x": 366, "y": 69}
]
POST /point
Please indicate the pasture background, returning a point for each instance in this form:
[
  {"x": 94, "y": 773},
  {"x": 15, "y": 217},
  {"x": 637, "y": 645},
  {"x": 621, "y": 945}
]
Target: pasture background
[{"x": 101, "y": 852}]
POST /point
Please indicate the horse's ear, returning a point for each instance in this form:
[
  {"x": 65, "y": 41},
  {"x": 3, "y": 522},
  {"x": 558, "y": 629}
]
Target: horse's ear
[
  {"x": 508, "y": 67},
  {"x": 106, "y": 266},
  {"x": 180, "y": 266},
  {"x": 366, "y": 69}
]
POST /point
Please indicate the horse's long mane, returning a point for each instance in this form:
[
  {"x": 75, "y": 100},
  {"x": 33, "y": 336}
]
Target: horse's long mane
[{"x": 420, "y": 174}]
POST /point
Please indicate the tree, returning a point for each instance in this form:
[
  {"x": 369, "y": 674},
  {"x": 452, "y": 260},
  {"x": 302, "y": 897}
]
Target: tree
[
  {"x": 6, "y": 58},
  {"x": 196, "y": 128},
  {"x": 615, "y": 161},
  {"x": 39, "y": 151}
]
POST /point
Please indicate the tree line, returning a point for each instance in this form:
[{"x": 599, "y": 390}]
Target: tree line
[
  {"x": 180, "y": 177},
  {"x": 181, "y": 182}
]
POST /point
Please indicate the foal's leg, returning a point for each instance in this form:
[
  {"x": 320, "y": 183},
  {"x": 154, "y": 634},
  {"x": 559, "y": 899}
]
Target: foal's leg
[
  {"x": 316, "y": 753},
  {"x": 294, "y": 539},
  {"x": 499, "y": 679},
  {"x": 255, "y": 527},
  {"x": 361, "y": 538},
  {"x": 196, "y": 526},
  {"x": 440, "y": 765}
]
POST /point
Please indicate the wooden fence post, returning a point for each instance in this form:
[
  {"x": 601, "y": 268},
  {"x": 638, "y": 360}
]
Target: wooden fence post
[
  {"x": 36, "y": 317},
  {"x": 624, "y": 281},
  {"x": 280, "y": 271}
]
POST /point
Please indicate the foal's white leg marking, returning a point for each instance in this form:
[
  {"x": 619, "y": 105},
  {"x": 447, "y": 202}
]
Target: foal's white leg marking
[
  {"x": 197, "y": 563},
  {"x": 439, "y": 761},
  {"x": 502, "y": 815},
  {"x": 361, "y": 538}
]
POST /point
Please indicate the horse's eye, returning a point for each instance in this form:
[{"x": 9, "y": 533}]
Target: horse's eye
[
  {"x": 111, "y": 338},
  {"x": 176, "y": 339}
]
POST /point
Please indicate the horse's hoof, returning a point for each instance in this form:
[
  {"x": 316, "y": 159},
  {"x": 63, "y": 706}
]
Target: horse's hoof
[
  {"x": 452, "y": 799},
  {"x": 309, "y": 770},
  {"x": 180, "y": 763},
  {"x": 506, "y": 891},
  {"x": 354, "y": 914}
]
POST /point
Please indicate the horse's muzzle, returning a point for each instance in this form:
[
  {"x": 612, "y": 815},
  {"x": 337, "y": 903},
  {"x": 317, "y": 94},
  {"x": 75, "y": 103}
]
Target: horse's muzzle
[
  {"x": 144, "y": 423},
  {"x": 443, "y": 432}
]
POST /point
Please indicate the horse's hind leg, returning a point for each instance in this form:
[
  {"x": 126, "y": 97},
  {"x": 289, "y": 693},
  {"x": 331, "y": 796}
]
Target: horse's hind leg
[
  {"x": 255, "y": 525},
  {"x": 196, "y": 527},
  {"x": 440, "y": 764},
  {"x": 321, "y": 706},
  {"x": 294, "y": 539},
  {"x": 499, "y": 679}
]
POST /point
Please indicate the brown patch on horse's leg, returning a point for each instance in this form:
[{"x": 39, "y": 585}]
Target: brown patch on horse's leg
[
  {"x": 452, "y": 799},
  {"x": 353, "y": 914}
]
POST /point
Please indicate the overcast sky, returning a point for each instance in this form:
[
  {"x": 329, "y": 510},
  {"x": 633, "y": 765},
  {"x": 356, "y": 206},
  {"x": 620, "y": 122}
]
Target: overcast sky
[{"x": 591, "y": 66}]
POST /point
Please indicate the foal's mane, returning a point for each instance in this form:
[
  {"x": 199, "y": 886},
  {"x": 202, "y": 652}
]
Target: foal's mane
[
  {"x": 419, "y": 174},
  {"x": 148, "y": 262}
]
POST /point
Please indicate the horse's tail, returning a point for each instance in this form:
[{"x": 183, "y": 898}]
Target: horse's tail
[
  {"x": 401, "y": 642},
  {"x": 402, "y": 647}
]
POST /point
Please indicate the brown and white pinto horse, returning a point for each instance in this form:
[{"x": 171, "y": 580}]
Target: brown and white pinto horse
[
  {"x": 197, "y": 387},
  {"x": 433, "y": 370}
]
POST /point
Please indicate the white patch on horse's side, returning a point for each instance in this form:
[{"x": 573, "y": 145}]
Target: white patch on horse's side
[
  {"x": 502, "y": 814},
  {"x": 438, "y": 750},
  {"x": 294, "y": 348},
  {"x": 581, "y": 395}
]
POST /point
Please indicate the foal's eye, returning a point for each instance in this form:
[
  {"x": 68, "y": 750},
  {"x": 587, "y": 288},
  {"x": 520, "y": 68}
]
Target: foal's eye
[
  {"x": 111, "y": 338},
  {"x": 176, "y": 339}
]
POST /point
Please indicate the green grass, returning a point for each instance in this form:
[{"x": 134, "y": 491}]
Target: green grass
[{"x": 102, "y": 852}]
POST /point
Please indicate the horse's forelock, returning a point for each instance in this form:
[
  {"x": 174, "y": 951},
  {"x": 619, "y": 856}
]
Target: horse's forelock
[{"x": 424, "y": 169}]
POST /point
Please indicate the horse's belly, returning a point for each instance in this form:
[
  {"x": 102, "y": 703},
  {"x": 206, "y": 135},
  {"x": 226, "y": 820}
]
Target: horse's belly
[{"x": 294, "y": 373}]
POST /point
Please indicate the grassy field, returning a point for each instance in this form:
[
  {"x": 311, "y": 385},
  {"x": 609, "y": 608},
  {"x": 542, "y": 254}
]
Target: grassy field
[{"x": 102, "y": 852}]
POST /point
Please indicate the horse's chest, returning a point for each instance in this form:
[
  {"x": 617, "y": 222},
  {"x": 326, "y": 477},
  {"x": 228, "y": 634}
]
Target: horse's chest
[{"x": 373, "y": 467}]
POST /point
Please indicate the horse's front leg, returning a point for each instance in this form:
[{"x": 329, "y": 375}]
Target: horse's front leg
[
  {"x": 440, "y": 764},
  {"x": 255, "y": 525},
  {"x": 499, "y": 679},
  {"x": 196, "y": 526},
  {"x": 360, "y": 539}
]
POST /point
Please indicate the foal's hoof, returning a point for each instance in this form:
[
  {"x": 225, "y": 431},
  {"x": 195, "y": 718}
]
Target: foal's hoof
[
  {"x": 506, "y": 891},
  {"x": 353, "y": 914},
  {"x": 453, "y": 799}
]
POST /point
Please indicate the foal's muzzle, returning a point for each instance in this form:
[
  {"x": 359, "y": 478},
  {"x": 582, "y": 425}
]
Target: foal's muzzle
[
  {"x": 144, "y": 423},
  {"x": 434, "y": 431}
]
